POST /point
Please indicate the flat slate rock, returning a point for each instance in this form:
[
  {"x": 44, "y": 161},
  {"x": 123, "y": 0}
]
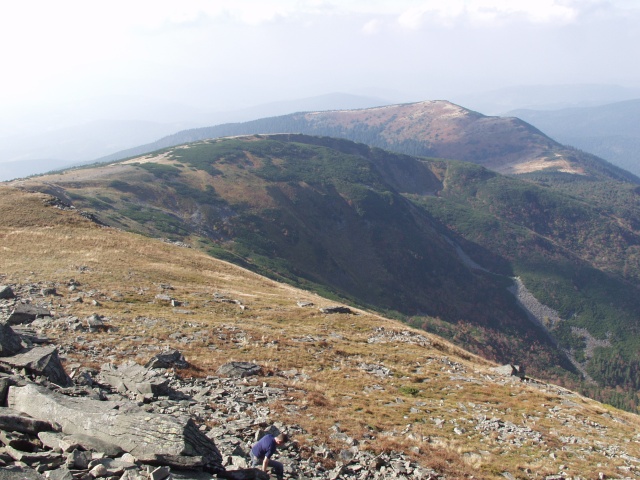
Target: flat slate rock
[
  {"x": 19, "y": 473},
  {"x": 239, "y": 369},
  {"x": 40, "y": 361},
  {"x": 143, "y": 434},
  {"x": 26, "y": 313}
]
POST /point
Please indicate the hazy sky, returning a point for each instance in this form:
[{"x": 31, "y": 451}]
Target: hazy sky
[{"x": 224, "y": 54}]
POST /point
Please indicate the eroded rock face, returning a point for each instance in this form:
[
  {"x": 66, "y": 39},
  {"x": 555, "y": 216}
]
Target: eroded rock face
[{"x": 10, "y": 342}]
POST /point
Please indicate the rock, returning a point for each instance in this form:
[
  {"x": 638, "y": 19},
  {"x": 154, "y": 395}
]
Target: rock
[
  {"x": 160, "y": 473},
  {"x": 95, "y": 323},
  {"x": 239, "y": 369},
  {"x": 12, "y": 472},
  {"x": 13, "y": 421},
  {"x": 40, "y": 361},
  {"x": 26, "y": 313},
  {"x": 10, "y": 342},
  {"x": 149, "y": 437},
  {"x": 48, "y": 458},
  {"x": 78, "y": 460},
  {"x": 62, "y": 473},
  {"x": 5, "y": 382},
  {"x": 48, "y": 291},
  {"x": 6, "y": 292},
  {"x": 510, "y": 369},
  {"x": 168, "y": 360},
  {"x": 131, "y": 377}
]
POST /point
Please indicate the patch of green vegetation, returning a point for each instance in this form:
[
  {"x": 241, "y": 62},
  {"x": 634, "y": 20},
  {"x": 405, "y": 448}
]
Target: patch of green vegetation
[
  {"x": 120, "y": 185},
  {"x": 157, "y": 220},
  {"x": 164, "y": 172},
  {"x": 204, "y": 197},
  {"x": 409, "y": 390}
]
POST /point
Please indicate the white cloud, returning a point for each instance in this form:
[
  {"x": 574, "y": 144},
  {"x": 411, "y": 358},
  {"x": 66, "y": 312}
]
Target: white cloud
[
  {"x": 489, "y": 12},
  {"x": 371, "y": 27}
]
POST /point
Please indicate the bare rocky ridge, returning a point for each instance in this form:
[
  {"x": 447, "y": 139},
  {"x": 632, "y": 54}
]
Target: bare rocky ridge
[{"x": 129, "y": 421}]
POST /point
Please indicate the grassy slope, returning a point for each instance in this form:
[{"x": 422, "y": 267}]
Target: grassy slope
[
  {"x": 332, "y": 215},
  {"x": 435, "y": 380}
]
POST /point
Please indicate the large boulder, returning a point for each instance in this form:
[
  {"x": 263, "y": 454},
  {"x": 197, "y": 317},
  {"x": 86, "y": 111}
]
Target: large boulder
[
  {"x": 40, "y": 361},
  {"x": 26, "y": 313},
  {"x": 151, "y": 438}
]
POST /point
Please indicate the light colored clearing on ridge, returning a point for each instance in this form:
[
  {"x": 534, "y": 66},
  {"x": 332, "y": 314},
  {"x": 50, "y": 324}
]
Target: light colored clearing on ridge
[
  {"x": 147, "y": 159},
  {"x": 539, "y": 164}
]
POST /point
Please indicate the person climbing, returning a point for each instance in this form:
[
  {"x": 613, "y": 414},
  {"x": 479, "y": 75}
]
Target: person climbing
[{"x": 262, "y": 451}]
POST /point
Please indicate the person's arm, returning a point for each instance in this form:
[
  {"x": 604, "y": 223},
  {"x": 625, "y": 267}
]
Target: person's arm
[{"x": 265, "y": 463}]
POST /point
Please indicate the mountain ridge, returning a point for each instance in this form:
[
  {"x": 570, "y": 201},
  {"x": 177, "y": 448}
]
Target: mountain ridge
[
  {"x": 434, "y": 128},
  {"x": 380, "y": 230}
]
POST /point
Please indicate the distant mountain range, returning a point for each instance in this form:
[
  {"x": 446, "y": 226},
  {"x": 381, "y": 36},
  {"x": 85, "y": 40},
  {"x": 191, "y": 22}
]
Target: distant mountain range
[
  {"x": 80, "y": 133},
  {"x": 431, "y": 128},
  {"x": 435, "y": 242},
  {"x": 610, "y": 131}
]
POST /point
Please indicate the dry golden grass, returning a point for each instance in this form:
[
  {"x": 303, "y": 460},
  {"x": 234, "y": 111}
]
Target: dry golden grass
[{"x": 431, "y": 390}]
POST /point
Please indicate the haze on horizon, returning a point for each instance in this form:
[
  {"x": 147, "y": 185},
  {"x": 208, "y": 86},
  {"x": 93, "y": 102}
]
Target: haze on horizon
[{"x": 72, "y": 61}]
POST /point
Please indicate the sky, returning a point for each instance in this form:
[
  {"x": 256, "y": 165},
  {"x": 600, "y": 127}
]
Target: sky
[
  {"x": 235, "y": 53},
  {"x": 220, "y": 55}
]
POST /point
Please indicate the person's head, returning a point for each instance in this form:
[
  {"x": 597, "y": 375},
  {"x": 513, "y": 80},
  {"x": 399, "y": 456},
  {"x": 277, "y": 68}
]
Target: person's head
[{"x": 282, "y": 439}]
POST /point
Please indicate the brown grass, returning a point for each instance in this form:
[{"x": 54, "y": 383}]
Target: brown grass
[{"x": 125, "y": 272}]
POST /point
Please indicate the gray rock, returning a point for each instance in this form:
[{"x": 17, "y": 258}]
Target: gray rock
[
  {"x": 131, "y": 377},
  {"x": 12, "y": 472},
  {"x": 26, "y": 313},
  {"x": 510, "y": 369},
  {"x": 13, "y": 421},
  {"x": 6, "y": 292},
  {"x": 61, "y": 473},
  {"x": 168, "y": 360},
  {"x": 239, "y": 369},
  {"x": 149, "y": 437},
  {"x": 42, "y": 361},
  {"x": 78, "y": 460},
  {"x": 48, "y": 458},
  {"x": 95, "y": 323},
  {"x": 10, "y": 341}
]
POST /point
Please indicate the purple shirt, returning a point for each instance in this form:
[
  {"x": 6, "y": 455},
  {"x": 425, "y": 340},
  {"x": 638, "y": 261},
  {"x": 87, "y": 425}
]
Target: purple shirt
[{"x": 265, "y": 447}]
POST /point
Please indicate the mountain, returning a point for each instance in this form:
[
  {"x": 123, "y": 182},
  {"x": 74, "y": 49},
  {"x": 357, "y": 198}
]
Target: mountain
[
  {"x": 347, "y": 387},
  {"x": 437, "y": 243},
  {"x": 78, "y": 134},
  {"x": 545, "y": 97},
  {"x": 609, "y": 131},
  {"x": 431, "y": 128}
]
